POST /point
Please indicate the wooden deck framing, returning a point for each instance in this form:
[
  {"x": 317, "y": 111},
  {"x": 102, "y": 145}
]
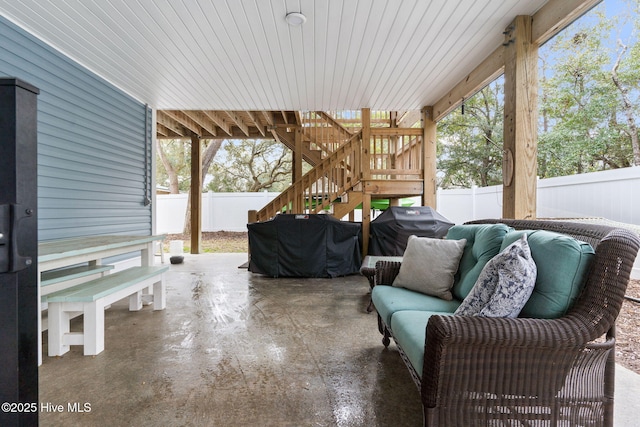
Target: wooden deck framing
[{"x": 381, "y": 155}]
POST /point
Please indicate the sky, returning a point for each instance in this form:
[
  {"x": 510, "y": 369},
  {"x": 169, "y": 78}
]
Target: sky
[
  {"x": 616, "y": 8},
  {"x": 621, "y": 9}
]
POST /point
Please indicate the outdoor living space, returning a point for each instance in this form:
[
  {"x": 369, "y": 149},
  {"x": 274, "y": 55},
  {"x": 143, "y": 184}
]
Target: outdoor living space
[
  {"x": 105, "y": 104},
  {"x": 234, "y": 348}
]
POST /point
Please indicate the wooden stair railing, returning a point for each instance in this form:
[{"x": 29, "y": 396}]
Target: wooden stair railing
[
  {"x": 321, "y": 186},
  {"x": 396, "y": 153},
  {"x": 347, "y": 204},
  {"x": 322, "y": 132}
]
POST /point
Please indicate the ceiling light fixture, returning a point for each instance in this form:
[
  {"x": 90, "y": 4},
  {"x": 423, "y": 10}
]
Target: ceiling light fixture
[{"x": 295, "y": 19}]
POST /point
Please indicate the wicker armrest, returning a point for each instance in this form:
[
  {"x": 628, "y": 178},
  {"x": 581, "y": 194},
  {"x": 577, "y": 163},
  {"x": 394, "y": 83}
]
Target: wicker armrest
[
  {"x": 497, "y": 356},
  {"x": 386, "y": 271}
]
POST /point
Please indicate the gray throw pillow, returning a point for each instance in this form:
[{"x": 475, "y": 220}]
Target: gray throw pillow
[
  {"x": 504, "y": 285},
  {"x": 428, "y": 265}
]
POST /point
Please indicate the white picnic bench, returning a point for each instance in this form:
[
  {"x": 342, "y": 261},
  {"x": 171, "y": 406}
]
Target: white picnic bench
[{"x": 74, "y": 281}]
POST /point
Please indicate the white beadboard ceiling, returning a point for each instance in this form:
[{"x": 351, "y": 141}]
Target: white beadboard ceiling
[{"x": 242, "y": 55}]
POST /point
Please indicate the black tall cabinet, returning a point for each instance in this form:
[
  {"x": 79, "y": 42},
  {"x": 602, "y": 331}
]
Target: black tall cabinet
[{"x": 19, "y": 305}]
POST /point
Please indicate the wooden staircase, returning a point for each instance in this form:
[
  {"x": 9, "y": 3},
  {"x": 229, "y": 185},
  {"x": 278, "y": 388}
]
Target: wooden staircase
[
  {"x": 316, "y": 191},
  {"x": 352, "y": 164},
  {"x": 347, "y": 204}
]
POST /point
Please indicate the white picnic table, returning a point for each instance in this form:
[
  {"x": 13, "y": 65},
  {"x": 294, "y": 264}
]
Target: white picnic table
[{"x": 55, "y": 254}]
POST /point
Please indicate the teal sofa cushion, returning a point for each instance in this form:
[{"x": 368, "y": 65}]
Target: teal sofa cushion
[
  {"x": 389, "y": 300},
  {"x": 483, "y": 243},
  {"x": 563, "y": 265},
  {"x": 410, "y": 331}
]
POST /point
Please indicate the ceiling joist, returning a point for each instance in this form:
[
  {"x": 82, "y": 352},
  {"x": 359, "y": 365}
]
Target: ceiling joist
[
  {"x": 221, "y": 124},
  {"x": 238, "y": 121},
  {"x": 219, "y": 121},
  {"x": 201, "y": 120}
]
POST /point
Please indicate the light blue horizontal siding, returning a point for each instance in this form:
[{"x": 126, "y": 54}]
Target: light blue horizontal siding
[{"x": 94, "y": 156}]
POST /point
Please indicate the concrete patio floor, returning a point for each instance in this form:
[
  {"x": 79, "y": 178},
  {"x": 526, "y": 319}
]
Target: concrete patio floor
[{"x": 237, "y": 349}]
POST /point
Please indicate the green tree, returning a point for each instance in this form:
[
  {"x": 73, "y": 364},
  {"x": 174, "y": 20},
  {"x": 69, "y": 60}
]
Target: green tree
[
  {"x": 470, "y": 144},
  {"x": 173, "y": 165},
  {"x": 174, "y": 162},
  {"x": 589, "y": 105},
  {"x": 251, "y": 165},
  {"x": 589, "y": 98},
  {"x": 625, "y": 75},
  {"x": 577, "y": 103}
]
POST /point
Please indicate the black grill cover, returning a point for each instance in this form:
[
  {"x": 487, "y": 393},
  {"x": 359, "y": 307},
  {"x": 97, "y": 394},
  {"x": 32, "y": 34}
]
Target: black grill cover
[
  {"x": 304, "y": 246},
  {"x": 390, "y": 231}
]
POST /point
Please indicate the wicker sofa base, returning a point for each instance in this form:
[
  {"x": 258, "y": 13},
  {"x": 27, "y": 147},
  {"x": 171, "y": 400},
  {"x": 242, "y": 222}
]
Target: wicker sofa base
[
  {"x": 526, "y": 371},
  {"x": 584, "y": 405}
]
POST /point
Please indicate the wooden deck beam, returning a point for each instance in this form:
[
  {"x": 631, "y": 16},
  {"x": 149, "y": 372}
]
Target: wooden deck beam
[
  {"x": 552, "y": 18},
  {"x": 520, "y": 121},
  {"x": 557, "y": 15}
]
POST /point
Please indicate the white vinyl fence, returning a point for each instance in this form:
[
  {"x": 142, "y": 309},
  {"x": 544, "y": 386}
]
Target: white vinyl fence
[
  {"x": 613, "y": 195},
  {"x": 220, "y": 211}
]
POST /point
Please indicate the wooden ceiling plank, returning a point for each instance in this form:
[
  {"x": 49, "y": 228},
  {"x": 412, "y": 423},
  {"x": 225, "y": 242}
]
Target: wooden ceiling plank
[{"x": 215, "y": 116}]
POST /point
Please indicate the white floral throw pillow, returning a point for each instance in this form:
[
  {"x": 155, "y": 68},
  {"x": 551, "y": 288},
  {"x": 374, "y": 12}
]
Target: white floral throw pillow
[{"x": 504, "y": 285}]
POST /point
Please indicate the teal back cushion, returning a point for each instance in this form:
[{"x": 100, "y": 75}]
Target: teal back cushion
[
  {"x": 563, "y": 265},
  {"x": 483, "y": 243}
]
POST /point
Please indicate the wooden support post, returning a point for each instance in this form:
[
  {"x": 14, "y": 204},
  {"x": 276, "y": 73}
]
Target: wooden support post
[
  {"x": 520, "y": 121},
  {"x": 297, "y": 156},
  {"x": 429, "y": 170},
  {"x": 366, "y": 222},
  {"x": 298, "y": 202},
  {"x": 366, "y": 174},
  {"x": 366, "y": 143},
  {"x": 252, "y": 216},
  {"x": 196, "y": 195},
  {"x": 393, "y": 142}
]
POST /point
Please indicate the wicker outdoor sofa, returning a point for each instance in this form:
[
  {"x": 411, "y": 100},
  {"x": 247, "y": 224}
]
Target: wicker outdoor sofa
[{"x": 481, "y": 371}]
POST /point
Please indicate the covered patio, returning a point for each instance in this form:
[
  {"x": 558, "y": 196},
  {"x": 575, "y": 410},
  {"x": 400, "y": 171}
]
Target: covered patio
[
  {"x": 238, "y": 349},
  {"x": 232, "y": 348}
]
